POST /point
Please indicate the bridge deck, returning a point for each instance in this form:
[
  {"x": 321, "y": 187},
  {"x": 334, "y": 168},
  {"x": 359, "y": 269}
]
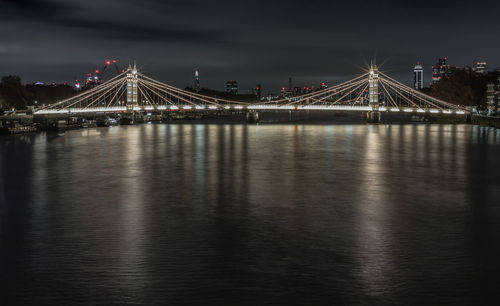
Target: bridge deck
[{"x": 257, "y": 107}]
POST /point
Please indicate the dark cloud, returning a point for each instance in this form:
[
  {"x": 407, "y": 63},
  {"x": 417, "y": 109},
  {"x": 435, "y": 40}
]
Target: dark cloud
[
  {"x": 254, "y": 42},
  {"x": 14, "y": 9}
]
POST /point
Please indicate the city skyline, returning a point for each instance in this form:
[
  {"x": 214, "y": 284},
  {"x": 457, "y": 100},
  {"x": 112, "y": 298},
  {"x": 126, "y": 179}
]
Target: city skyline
[{"x": 257, "y": 43}]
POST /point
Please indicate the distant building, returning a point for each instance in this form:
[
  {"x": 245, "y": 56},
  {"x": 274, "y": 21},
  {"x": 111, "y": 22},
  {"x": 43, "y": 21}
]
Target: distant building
[
  {"x": 418, "y": 76},
  {"x": 490, "y": 99},
  {"x": 196, "y": 81},
  {"x": 232, "y": 87},
  {"x": 440, "y": 69},
  {"x": 480, "y": 67},
  {"x": 306, "y": 89},
  {"x": 498, "y": 93},
  {"x": 493, "y": 97},
  {"x": 258, "y": 90}
]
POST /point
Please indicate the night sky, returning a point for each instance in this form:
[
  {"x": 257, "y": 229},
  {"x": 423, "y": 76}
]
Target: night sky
[{"x": 252, "y": 42}]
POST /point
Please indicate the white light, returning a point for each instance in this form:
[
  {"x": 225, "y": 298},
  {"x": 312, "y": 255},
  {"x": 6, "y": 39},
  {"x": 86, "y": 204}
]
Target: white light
[
  {"x": 173, "y": 107},
  {"x": 238, "y": 107},
  {"x": 227, "y": 107},
  {"x": 187, "y": 107},
  {"x": 212, "y": 107},
  {"x": 408, "y": 110},
  {"x": 394, "y": 109},
  {"x": 200, "y": 107},
  {"x": 434, "y": 111},
  {"x": 447, "y": 112},
  {"x": 420, "y": 111}
]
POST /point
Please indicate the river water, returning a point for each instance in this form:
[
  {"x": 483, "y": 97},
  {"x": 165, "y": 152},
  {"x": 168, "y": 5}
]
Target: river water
[{"x": 251, "y": 215}]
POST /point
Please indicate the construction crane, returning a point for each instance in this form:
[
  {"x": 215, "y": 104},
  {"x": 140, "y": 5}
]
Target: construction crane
[{"x": 108, "y": 63}]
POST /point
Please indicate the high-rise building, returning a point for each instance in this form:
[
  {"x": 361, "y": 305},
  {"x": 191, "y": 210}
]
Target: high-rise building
[
  {"x": 481, "y": 67},
  {"x": 418, "y": 76},
  {"x": 490, "y": 99},
  {"x": 196, "y": 81},
  {"x": 232, "y": 87},
  {"x": 257, "y": 91},
  {"x": 440, "y": 69}
]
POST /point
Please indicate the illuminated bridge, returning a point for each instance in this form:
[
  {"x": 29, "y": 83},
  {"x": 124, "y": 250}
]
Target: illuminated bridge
[{"x": 372, "y": 92}]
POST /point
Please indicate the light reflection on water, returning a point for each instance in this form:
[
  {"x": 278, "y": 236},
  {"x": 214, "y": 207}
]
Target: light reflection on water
[{"x": 243, "y": 214}]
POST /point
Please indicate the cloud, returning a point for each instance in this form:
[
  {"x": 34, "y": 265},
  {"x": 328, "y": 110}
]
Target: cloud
[{"x": 258, "y": 41}]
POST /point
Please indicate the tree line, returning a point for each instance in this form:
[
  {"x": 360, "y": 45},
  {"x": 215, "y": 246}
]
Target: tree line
[
  {"x": 14, "y": 94},
  {"x": 463, "y": 87}
]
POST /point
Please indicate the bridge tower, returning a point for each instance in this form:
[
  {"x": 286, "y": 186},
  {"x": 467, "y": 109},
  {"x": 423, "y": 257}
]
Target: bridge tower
[
  {"x": 373, "y": 116},
  {"x": 131, "y": 87}
]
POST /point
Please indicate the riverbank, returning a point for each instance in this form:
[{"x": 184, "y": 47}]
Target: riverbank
[
  {"x": 62, "y": 123},
  {"x": 486, "y": 121}
]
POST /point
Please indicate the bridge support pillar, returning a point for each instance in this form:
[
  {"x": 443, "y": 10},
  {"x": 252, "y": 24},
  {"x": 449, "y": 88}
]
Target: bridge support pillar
[
  {"x": 252, "y": 116},
  {"x": 373, "y": 117}
]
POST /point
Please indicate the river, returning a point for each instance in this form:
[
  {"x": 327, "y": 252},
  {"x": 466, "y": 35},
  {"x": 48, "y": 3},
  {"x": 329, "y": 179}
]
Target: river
[{"x": 251, "y": 215}]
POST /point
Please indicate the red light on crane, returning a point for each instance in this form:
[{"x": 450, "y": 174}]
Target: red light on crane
[
  {"x": 108, "y": 62},
  {"x": 114, "y": 61},
  {"x": 97, "y": 71}
]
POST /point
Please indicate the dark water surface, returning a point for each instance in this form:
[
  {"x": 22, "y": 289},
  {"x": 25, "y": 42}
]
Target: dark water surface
[{"x": 251, "y": 215}]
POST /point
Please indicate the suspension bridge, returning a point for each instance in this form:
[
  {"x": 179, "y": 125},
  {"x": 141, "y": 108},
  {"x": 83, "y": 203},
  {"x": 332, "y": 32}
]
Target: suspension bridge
[{"x": 372, "y": 92}]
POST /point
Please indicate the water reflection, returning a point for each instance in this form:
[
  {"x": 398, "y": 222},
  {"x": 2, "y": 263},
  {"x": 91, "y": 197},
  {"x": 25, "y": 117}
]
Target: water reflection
[{"x": 243, "y": 214}]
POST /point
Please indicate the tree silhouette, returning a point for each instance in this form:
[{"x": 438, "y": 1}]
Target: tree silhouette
[{"x": 13, "y": 93}]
